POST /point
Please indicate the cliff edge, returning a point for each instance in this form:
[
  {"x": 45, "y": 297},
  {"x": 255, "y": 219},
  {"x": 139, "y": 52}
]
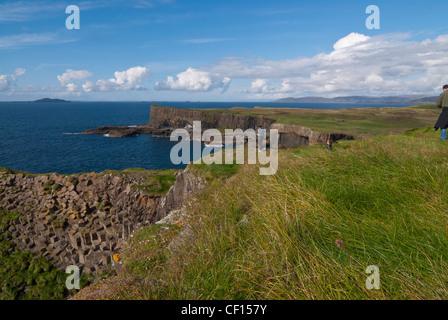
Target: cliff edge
[{"x": 164, "y": 120}]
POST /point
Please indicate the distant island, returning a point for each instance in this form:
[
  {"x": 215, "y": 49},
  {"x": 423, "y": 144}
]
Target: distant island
[
  {"x": 50, "y": 100},
  {"x": 39, "y": 100},
  {"x": 410, "y": 99}
]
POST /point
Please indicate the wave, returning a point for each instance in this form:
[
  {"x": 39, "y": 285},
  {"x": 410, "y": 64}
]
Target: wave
[{"x": 211, "y": 145}]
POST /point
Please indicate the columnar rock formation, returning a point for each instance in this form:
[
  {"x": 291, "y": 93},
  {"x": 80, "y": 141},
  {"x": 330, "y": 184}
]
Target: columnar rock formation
[{"x": 83, "y": 219}]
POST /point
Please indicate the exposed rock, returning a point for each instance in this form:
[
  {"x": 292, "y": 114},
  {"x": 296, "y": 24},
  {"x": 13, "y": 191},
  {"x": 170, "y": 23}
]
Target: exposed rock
[
  {"x": 163, "y": 117},
  {"x": 163, "y": 120},
  {"x": 293, "y": 136},
  {"x": 185, "y": 186},
  {"x": 84, "y": 225}
]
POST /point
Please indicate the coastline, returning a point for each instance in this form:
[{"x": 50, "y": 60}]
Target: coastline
[{"x": 87, "y": 219}]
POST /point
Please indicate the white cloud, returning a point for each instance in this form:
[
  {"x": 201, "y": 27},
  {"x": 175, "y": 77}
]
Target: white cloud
[
  {"x": 131, "y": 76},
  {"x": 380, "y": 65},
  {"x": 4, "y": 82},
  {"x": 34, "y": 10},
  {"x": 124, "y": 80},
  {"x": 204, "y": 40},
  {"x": 194, "y": 80},
  {"x": 19, "y": 72},
  {"x": 9, "y": 80},
  {"x": 71, "y": 87},
  {"x": 260, "y": 86},
  {"x": 351, "y": 40},
  {"x": 147, "y": 3},
  {"x": 29, "y": 39},
  {"x": 70, "y": 75},
  {"x": 25, "y": 10}
]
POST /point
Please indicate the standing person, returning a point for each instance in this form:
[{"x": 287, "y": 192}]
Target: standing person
[
  {"x": 261, "y": 138},
  {"x": 442, "y": 122},
  {"x": 330, "y": 143}
]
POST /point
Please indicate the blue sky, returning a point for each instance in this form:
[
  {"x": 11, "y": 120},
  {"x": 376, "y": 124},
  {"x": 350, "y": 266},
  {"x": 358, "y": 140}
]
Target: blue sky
[{"x": 221, "y": 50}]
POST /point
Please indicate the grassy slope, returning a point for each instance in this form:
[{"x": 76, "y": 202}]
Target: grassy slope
[
  {"x": 360, "y": 122},
  {"x": 274, "y": 237}
]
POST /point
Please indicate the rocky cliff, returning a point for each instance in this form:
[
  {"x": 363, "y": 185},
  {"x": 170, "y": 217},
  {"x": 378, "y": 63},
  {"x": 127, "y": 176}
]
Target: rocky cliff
[
  {"x": 163, "y": 120},
  {"x": 293, "y": 136},
  {"x": 172, "y": 118},
  {"x": 186, "y": 185},
  {"x": 84, "y": 219}
]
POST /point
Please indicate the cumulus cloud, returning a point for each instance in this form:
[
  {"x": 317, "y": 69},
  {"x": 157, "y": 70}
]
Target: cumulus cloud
[
  {"x": 9, "y": 80},
  {"x": 261, "y": 86},
  {"x": 71, "y": 87},
  {"x": 358, "y": 64},
  {"x": 194, "y": 80},
  {"x": 351, "y": 40},
  {"x": 4, "y": 82},
  {"x": 70, "y": 75},
  {"x": 123, "y": 80}
]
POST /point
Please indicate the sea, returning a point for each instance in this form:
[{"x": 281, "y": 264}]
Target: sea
[{"x": 44, "y": 137}]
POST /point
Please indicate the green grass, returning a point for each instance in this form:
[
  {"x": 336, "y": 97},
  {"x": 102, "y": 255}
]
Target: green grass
[
  {"x": 146, "y": 250},
  {"x": 155, "y": 182},
  {"x": 24, "y": 276},
  {"x": 158, "y": 182},
  {"x": 274, "y": 237},
  {"x": 359, "y": 122},
  {"x": 214, "y": 171},
  {"x": 11, "y": 171}
]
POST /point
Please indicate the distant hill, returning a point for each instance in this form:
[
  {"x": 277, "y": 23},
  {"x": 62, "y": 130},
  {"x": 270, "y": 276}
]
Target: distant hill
[
  {"x": 411, "y": 99},
  {"x": 50, "y": 100}
]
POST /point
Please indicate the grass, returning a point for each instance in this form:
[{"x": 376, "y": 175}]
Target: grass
[
  {"x": 158, "y": 182},
  {"x": 22, "y": 275},
  {"x": 213, "y": 172},
  {"x": 359, "y": 122},
  {"x": 11, "y": 171},
  {"x": 154, "y": 182},
  {"x": 311, "y": 230},
  {"x": 147, "y": 248}
]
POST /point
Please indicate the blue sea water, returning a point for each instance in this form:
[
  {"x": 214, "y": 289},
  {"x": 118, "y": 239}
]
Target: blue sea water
[{"x": 44, "y": 137}]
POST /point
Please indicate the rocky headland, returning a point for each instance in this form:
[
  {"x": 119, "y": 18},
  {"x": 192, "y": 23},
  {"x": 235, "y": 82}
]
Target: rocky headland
[{"x": 164, "y": 120}]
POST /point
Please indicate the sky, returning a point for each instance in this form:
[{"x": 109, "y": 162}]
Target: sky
[{"x": 228, "y": 50}]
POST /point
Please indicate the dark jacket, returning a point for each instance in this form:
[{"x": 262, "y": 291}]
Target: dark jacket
[{"x": 442, "y": 102}]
